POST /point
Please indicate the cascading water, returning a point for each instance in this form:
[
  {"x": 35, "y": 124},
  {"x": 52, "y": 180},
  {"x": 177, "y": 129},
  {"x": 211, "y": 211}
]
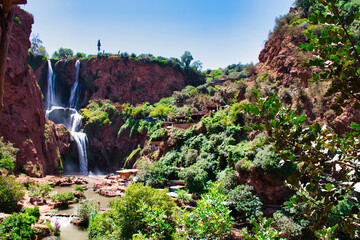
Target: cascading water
[{"x": 69, "y": 116}]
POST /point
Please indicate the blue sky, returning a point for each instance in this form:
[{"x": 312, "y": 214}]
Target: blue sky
[{"x": 216, "y": 32}]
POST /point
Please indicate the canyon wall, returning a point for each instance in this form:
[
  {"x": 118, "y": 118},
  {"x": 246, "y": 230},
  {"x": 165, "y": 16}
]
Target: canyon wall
[{"x": 23, "y": 122}]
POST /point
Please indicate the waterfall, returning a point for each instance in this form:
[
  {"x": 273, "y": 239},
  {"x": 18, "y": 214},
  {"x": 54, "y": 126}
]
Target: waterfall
[
  {"x": 75, "y": 90},
  {"x": 69, "y": 117}
]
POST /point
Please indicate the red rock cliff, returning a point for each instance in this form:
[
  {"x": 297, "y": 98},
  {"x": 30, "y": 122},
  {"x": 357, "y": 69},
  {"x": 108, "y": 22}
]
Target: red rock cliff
[
  {"x": 23, "y": 122},
  {"x": 120, "y": 80}
]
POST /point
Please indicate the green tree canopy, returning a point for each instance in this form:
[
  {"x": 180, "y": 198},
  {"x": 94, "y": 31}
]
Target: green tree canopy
[
  {"x": 186, "y": 58},
  {"x": 36, "y": 46},
  {"x": 63, "y": 53}
]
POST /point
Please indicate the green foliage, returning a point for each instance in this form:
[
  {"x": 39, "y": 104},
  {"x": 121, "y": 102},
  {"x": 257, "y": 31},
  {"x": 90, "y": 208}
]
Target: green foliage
[
  {"x": 63, "y": 53},
  {"x": 183, "y": 195},
  {"x": 7, "y": 155},
  {"x": 79, "y": 189},
  {"x": 104, "y": 226},
  {"x": 37, "y": 47},
  {"x": 267, "y": 161},
  {"x": 42, "y": 190},
  {"x": 141, "y": 209},
  {"x": 18, "y": 225},
  {"x": 64, "y": 198},
  {"x": 186, "y": 59},
  {"x": 337, "y": 51},
  {"x": 326, "y": 163},
  {"x": 262, "y": 230},
  {"x": 87, "y": 210},
  {"x": 210, "y": 220},
  {"x": 227, "y": 180},
  {"x": 80, "y": 55},
  {"x": 10, "y": 193},
  {"x": 157, "y": 174},
  {"x": 99, "y": 112},
  {"x": 245, "y": 202},
  {"x": 195, "y": 179}
]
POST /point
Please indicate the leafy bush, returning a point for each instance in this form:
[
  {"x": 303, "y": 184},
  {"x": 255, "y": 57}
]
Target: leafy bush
[
  {"x": 183, "y": 195},
  {"x": 227, "y": 180},
  {"x": 87, "y": 210},
  {"x": 261, "y": 230},
  {"x": 157, "y": 174},
  {"x": 210, "y": 220},
  {"x": 7, "y": 155},
  {"x": 64, "y": 198},
  {"x": 195, "y": 179},
  {"x": 18, "y": 225},
  {"x": 45, "y": 189},
  {"x": 99, "y": 112},
  {"x": 141, "y": 209},
  {"x": 10, "y": 193},
  {"x": 267, "y": 161},
  {"x": 79, "y": 189},
  {"x": 245, "y": 202}
]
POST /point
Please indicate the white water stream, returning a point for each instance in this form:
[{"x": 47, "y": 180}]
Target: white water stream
[{"x": 69, "y": 116}]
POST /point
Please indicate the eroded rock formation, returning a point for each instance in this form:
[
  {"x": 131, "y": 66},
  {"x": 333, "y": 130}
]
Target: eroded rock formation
[{"x": 23, "y": 122}]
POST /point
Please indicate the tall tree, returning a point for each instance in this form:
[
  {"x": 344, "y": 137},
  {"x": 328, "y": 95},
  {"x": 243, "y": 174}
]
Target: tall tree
[
  {"x": 186, "y": 58},
  {"x": 6, "y": 20},
  {"x": 36, "y": 46}
]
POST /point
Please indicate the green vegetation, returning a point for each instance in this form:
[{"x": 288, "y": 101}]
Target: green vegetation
[
  {"x": 63, "y": 53},
  {"x": 18, "y": 225},
  {"x": 245, "y": 202},
  {"x": 7, "y": 155},
  {"x": 210, "y": 219},
  {"x": 10, "y": 193},
  {"x": 87, "y": 210},
  {"x": 37, "y": 47},
  {"x": 42, "y": 190},
  {"x": 79, "y": 189},
  {"x": 99, "y": 113},
  {"x": 63, "y": 198},
  {"x": 141, "y": 210}
]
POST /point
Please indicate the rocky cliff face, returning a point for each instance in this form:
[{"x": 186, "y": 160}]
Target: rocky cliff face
[
  {"x": 282, "y": 59},
  {"x": 23, "y": 122},
  {"x": 117, "y": 79}
]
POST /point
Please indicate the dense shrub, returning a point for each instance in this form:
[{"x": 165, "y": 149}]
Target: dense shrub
[
  {"x": 267, "y": 161},
  {"x": 10, "y": 193},
  {"x": 18, "y": 225},
  {"x": 156, "y": 175},
  {"x": 227, "y": 180},
  {"x": 64, "y": 198},
  {"x": 245, "y": 202},
  {"x": 99, "y": 112},
  {"x": 209, "y": 220},
  {"x": 141, "y": 209},
  {"x": 195, "y": 179},
  {"x": 87, "y": 210},
  {"x": 7, "y": 155}
]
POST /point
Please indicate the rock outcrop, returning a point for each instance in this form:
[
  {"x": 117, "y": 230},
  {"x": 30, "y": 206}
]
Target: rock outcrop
[
  {"x": 282, "y": 59},
  {"x": 23, "y": 122},
  {"x": 118, "y": 79}
]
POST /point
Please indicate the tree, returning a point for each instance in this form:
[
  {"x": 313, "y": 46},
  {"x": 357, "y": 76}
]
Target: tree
[
  {"x": 197, "y": 65},
  {"x": 186, "y": 59},
  {"x": 63, "y": 53},
  {"x": 36, "y": 46},
  {"x": 6, "y": 20},
  {"x": 99, "y": 45},
  {"x": 80, "y": 55}
]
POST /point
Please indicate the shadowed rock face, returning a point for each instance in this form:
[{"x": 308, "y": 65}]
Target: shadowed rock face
[
  {"x": 120, "y": 80},
  {"x": 23, "y": 121}
]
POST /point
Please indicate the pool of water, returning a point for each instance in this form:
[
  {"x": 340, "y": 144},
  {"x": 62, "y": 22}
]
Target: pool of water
[{"x": 68, "y": 230}]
